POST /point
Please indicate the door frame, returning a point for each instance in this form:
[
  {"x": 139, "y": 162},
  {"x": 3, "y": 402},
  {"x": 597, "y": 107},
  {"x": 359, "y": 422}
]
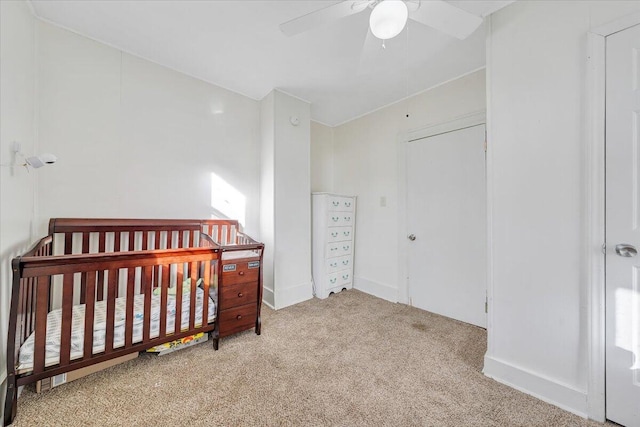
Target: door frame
[
  {"x": 595, "y": 209},
  {"x": 456, "y": 123}
]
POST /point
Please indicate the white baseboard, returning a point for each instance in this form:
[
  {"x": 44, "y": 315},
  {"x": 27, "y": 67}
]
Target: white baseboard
[
  {"x": 543, "y": 388},
  {"x": 267, "y": 304},
  {"x": 376, "y": 289},
  {"x": 293, "y": 295},
  {"x": 267, "y": 296}
]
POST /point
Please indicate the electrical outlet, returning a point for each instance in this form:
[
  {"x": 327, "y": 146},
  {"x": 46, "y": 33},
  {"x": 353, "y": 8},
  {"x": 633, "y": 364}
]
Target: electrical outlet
[{"x": 17, "y": 147}]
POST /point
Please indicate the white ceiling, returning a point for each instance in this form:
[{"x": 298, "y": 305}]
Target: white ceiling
[{"x": 341, "y": 69}]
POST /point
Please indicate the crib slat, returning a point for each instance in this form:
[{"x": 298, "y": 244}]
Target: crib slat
[
  {"x": 132, "y": 241},
  {"x": 42, "y": 309},
  {"x": 85, "y": 243},
  {"x": 146, "y": 285},
  {"x": 67, "y": 307},
  {"x": 116, "y": 241},
  {"x": 163, "y": 300},
  {"x": 131, "y": 287},
  {"x": 145, "y": 240},
  {"x": 83, "y": 288},
  {"x": 83, "y": 278},
  {"x": 101, "y": 246},
  {"x": 180, "y": 238},
  {"x": 89, "y": 309},
  {"x": 68, "y": 243},
  {"x": 111, "y": 306},
  {"x": 157, "y": 239},
  {"x": 24, "y": 308},
  {"x": 179, "y": 298},
  {"x": 205, "y": 285},
  {"x": 22, "y": 311},
  {"x": 192, "y": 303},
  {"x": 102, "y": 241},
  {"x": 30, "y": 305}
]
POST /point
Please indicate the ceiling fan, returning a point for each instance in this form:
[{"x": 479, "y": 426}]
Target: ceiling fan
[{"x": 389, "y": 17}]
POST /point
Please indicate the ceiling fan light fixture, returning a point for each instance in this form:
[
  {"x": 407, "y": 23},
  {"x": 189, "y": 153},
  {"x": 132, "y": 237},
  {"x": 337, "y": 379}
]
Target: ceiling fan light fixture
[{"x": 388, "y": 19}]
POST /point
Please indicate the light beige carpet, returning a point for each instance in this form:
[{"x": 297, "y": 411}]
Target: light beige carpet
[{"x": 349, "y": 360}]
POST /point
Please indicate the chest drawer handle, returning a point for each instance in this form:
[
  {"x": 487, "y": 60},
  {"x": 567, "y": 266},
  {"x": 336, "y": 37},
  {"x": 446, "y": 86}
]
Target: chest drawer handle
[
  {"x": 239, "y": 316},
  {"x": 241, "y": 273},
  {"x": 240, "y": 294}
]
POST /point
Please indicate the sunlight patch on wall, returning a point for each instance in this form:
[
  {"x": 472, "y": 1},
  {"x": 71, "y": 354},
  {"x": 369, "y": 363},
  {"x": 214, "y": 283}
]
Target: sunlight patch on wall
[{"x": 227, "y": 202}]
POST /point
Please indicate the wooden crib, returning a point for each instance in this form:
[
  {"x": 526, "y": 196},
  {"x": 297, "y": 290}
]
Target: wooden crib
[{"x": 97, "y": 289}]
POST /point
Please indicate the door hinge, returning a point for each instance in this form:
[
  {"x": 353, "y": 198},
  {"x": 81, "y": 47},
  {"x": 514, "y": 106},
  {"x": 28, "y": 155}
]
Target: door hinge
[
  {"x": 604, "y": 248},
  {"x": 485, "y": 145},
  {"x": 486, "y": 306}
]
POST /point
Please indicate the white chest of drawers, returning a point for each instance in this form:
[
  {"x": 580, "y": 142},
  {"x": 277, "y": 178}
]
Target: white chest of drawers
[{"x": 334, "y": 218}]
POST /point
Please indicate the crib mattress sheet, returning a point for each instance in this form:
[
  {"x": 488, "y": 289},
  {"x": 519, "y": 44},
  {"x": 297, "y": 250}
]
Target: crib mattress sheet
[{"x": 54, "y": 324}]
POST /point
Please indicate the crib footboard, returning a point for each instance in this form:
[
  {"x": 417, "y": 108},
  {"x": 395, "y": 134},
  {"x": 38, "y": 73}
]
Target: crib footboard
[{"x": 91, "y": 305}]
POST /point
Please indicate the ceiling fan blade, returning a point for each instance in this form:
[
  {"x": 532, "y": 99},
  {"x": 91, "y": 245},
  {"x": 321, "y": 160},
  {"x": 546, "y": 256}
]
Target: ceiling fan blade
[
  {"x": 447, "y": 18},
  {"x": 323, "y": 16}
]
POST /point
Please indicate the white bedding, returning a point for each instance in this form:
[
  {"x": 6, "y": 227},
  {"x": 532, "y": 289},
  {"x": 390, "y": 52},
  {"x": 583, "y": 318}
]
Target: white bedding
[{"x": 54, "y": 323}]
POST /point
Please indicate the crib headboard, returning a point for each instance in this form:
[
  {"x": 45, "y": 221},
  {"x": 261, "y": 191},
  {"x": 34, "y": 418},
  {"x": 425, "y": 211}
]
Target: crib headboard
[{"x": 99, "y": 235}]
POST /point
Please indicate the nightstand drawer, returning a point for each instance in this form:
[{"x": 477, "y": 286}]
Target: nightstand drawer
[
  {"x": 240, "y": 272},
  {"x": 238, "y": 294},
  {"x": 238, "y": 319}
]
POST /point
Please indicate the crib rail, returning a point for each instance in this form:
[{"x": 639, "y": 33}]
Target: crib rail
[{"x": 127, "y": 274}]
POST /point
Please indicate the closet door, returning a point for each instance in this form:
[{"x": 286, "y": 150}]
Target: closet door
[
  {"x": 622, "y": 225},
  {"x": 446, "y": 205}
]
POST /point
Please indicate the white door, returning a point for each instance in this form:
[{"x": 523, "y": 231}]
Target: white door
[
  {"x": 623, "y": 227},
  {"x": 446, "y": 205}
]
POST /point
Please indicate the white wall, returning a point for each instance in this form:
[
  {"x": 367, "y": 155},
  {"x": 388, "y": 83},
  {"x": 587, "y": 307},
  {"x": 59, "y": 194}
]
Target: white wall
[
  {"x": 321, "y": 157},
  {"x": 293, "y": 201},
  {"x": 17, "y": 186},
  {"x": 366, "y": 165},
  {"x": 267, "y": 194},
  {"x": 286, "y": 199},
  {"x": 135, "y": 139},
  {"x": 536, "y": 68}
]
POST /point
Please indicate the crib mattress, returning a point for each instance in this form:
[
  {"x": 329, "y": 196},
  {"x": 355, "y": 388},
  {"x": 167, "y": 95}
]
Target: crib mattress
[{"x": 54, "y": 323}]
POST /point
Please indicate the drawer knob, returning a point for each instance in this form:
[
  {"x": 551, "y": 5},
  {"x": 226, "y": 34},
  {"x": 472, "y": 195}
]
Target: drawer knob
[
  {"x": 240, "y": 294},
  {"x": 239, "y": 316},
  {"x": 241, "y": 273}
]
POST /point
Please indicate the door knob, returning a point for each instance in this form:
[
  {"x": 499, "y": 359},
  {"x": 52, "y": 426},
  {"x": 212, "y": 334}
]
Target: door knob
[
  {"x": 626, "y": 250},
  {"x": 411, "y": 237}
]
